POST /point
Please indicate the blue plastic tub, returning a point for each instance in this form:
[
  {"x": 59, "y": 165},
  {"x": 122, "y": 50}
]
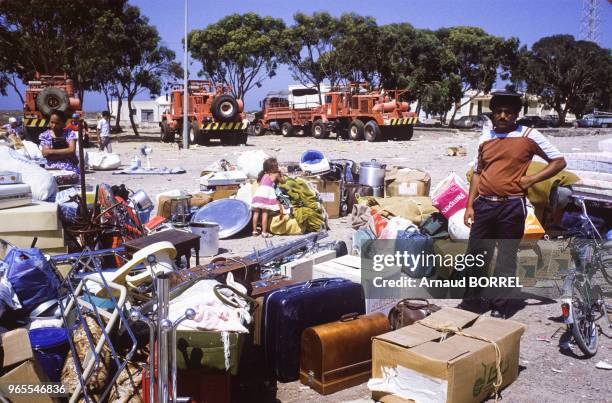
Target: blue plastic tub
[{"x": 50, "y": 345}]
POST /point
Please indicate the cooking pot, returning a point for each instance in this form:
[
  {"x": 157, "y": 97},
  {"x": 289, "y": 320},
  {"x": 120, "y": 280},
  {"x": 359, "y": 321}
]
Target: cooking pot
[{"x": 372, "y": 173}]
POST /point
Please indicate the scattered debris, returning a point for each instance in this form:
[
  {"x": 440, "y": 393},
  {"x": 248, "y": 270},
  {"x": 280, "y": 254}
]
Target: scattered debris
[
  {"x": 603, "y": 365},
  {"x": 556, "y": 370},
  {"x": 544, "y": 338},
  {"x": 456, "y": 151}
]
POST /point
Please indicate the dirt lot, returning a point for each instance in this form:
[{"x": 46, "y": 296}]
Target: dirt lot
[{"x": 548, "y": 373}]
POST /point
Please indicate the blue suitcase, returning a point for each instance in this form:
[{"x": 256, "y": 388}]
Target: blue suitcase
[{"x": 289, "y": 310}]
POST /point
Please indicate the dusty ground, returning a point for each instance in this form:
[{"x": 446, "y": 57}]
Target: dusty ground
[{"x": 548, "y": 373}]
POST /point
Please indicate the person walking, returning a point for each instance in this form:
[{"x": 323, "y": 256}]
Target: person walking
[
  {"x": 103, "y": 131},
  {"x": 496, "y": 209}
]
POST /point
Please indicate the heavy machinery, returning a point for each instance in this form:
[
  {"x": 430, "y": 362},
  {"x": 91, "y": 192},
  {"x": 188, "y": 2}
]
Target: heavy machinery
[
  {"x": 356, "y": 112},
  {"x": 212, "y": 113},
  {"x": 43, "y": 96},
  {"x": 278, "y": 115}
]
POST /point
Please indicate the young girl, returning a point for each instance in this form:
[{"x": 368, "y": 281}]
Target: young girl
[{"x": 265, "y": 199}]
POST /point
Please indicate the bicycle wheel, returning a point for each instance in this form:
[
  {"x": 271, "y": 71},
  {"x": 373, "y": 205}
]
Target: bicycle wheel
[{"x": 584, "y": 329}]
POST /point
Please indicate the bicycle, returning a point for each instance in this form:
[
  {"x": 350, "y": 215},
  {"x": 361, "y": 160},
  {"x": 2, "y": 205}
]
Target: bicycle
[{"x": 582, "y": 302}]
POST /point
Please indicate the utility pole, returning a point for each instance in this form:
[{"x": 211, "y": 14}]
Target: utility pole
[
  {"x": 590, "y": 21},
  {"x": 185, "y": 91}
]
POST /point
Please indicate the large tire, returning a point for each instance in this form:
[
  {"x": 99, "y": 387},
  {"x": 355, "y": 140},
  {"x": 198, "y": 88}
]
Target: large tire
[
  {"x": 318, "y": 130},
  {"x": 225, "y": 108},
  {"x": 196, "y": 136},
  {"x": 287, "y": 129},
  {"x": 408, "y": 133},
  {"x": 356, "y": 130},
  {"x": 243, "y": 137},
  {"x": 371, "y": 131},
  {"x": 166, "y": 134},
  {"x": 258, "y": 129},
  {"x": 52, "y": 99}
]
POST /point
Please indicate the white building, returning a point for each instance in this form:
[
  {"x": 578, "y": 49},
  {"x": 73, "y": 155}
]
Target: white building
[{"x": 144, "y": 112}]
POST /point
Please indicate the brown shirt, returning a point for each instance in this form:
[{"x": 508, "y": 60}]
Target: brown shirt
[{"x": 503, "y": 159}]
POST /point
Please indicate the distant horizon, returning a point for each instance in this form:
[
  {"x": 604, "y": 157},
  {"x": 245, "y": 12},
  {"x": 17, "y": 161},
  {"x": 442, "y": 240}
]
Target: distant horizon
[{"x": 526, "y": 20}]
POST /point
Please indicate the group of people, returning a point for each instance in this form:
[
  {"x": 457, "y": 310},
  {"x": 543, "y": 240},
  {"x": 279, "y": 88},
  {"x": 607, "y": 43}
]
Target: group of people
[{"x": 58, "y": 144}]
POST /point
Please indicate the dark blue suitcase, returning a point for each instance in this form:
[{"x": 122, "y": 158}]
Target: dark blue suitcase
[{"x": 289, "y": 310}]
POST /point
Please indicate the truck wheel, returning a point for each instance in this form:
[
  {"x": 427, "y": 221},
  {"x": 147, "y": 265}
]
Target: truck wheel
[
  {"x": 196, "y": 136},
  {"x": 287, "y": 129},
  {"x": 52, "y": 99},
  {"x": 407, "y": 134},
  {"x": 166, "y": 134},
  {"x": 318, "y": 130},
  {"x": 258, "y": 129},
  {"x": 371, "y": 131},
  {"x": 356, "y": 130},
  {"x": 224, "y": 108},
  {"x": 242, "y": 138}
]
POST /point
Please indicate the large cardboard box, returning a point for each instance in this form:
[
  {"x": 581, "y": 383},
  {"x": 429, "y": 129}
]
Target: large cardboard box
[
  {"x": 330, "y": 194},
  {"x": 20, "y": 367},
  {"x": 38, "y": 216},
  {"x": 45, "y": 239},
  {"x": 197, "y": 200},
  {"x": 456, "y": 367},
  {"x": 407, "y": 182}
]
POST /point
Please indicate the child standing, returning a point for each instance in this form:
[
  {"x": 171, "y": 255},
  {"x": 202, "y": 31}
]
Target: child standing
[{"x": 265, "y": 200}]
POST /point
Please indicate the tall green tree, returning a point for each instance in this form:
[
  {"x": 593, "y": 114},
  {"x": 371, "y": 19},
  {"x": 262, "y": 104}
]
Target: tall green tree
[
  {"x": 240, "y": 51},
  {"x": 567, "y": 75},
  {"x": 309, "y": 49},
  {"x": 146, "y": 65},
  {"x": 53, "y": 37},
  {"x": 356, "y": 45},
  {"x": 477, "y": 57}
]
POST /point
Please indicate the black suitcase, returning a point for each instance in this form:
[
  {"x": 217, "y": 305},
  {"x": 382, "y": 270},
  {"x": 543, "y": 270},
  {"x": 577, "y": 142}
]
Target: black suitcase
[{"x": 290, "y": 310}]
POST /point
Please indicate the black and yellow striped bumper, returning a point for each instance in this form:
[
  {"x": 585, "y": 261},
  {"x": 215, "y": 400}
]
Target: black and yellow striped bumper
[
  {"x": 403, "y": 121},
  {"x": 35, "y": 122},
  {"x": 224, "y": 126}
]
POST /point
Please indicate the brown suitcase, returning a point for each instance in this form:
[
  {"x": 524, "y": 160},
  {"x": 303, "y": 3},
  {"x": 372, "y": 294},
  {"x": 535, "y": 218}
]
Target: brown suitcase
[{"x": 338, "y": 355}]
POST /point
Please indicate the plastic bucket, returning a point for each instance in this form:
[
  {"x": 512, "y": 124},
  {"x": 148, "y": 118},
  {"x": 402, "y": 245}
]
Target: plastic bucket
[
  {"x": 209, "y": 237},
  {"x": 50, "y": 345}
]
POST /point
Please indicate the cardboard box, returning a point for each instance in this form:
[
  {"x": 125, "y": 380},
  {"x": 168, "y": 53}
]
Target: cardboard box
[
  {"x": 46, "y": 239},
  {"x": 225, "y": 192},
  {"x": 330, "y": 194},
  {"x": 553, "y": 256},
  {"x": 407, "y": 182},
  {"x": 38, "y": 216},
  {"x": 462, "y": 367},
  {"x": 20, "y": 366},
  {"x": 301, "y": 270}
]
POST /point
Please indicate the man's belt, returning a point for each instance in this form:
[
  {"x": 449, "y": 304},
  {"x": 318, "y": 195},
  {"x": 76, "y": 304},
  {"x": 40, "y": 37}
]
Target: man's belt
[{"x": 500, "y": 199}]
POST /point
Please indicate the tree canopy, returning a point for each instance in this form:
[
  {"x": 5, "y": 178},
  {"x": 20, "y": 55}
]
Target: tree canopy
[{"x": 240, "y": 51}]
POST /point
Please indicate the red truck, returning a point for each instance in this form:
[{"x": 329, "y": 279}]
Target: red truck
[
  {"x": 278, "y": 115},
  {"x": 356, "y": 112},
  {"x": 212, "y": 112},
  {"x": 44, "y": 95}
]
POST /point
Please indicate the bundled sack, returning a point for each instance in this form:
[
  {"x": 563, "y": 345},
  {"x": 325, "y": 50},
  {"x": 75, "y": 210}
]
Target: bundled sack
[
  {"x": 31, "y": 277},
  {"x": 450, "y": 195},
  {"x": 251, "y": 162},
  {"x": 415, "y": 208},
  {"x": 41, "y": 182},
  {"x": 103, "y": 161}
]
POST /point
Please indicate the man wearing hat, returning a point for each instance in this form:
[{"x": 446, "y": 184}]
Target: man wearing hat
[{"x": 496, "y": 209}]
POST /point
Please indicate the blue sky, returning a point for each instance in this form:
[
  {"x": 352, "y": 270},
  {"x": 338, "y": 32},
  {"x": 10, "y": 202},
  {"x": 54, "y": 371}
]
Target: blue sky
[{"x": 528, "y": 20}]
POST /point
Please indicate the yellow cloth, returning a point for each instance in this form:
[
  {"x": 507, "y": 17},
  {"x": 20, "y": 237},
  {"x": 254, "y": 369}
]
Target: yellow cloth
[
  {"x": 539, "y": 193},
  {"x": 285, "y": 226},
  {"x": 414, "y": 208},
  {"x": 307, "y": 211}
]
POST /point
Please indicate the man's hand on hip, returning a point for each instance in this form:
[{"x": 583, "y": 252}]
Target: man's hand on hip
[{"x": 526, "y": 182}]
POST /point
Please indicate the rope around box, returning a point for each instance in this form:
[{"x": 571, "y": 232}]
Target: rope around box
[{"x": 449, "y": 329}]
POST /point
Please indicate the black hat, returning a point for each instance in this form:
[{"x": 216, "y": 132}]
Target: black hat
[{"x": 506, "y": 97}]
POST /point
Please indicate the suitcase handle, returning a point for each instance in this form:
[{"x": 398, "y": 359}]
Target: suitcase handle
[
  {"x": 349, "y": 316},
  {"x": 318, "y": 282}
]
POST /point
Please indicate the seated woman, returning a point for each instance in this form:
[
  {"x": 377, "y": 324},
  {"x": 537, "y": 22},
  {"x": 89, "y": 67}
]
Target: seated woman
[{"x": 59, "y": 145}]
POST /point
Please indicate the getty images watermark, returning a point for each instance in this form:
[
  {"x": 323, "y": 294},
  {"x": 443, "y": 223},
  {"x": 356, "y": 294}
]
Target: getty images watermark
[{"x": 404, "y": 269}]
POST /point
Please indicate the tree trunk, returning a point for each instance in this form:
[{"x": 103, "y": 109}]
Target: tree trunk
[
  {"x": 108, "y": 101},
  {"x": 452, "y": 119},
  {"x": 418, "y": 107},
  {"x": 119, "y": 105},
  {"x": 81, "y": 95},
  {"x": 319, "y": 90},
  {"x": 134, "y": 128}
]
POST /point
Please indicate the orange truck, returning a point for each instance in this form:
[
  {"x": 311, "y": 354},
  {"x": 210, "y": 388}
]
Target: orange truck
[
  {"x": 212, "y": 112},
  {"x": 279, "y": 116},
  {"x": 358, "y": 113},
  {"x": 43, "y": 96}
]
